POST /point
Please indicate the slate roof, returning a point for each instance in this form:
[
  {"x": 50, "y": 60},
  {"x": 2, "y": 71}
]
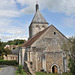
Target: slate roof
[
  {"x": 15, "y": 51},
  {"x": 38, "y": 18}
]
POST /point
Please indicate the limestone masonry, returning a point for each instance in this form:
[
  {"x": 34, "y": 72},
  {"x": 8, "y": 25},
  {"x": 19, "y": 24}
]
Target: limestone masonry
[{"x": 44, "y": 50}]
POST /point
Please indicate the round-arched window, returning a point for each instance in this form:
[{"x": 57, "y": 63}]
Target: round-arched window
[
  {"x": 43, "y": 27},
  {"x": 37, "y": 29}
]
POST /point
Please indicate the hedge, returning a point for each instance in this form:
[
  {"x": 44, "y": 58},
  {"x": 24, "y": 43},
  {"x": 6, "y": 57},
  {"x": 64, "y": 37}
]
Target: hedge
[{"x": 9, "y": 62}]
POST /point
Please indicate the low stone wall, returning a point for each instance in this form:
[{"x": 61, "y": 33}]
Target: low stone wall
[{"x": 11, "y": 57}]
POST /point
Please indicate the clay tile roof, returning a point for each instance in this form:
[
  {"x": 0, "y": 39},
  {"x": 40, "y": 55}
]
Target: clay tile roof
[{"x": 33, "y": 39}]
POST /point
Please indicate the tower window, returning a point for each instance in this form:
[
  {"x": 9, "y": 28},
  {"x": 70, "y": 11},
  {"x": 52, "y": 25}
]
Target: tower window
[
  {"x": 54, "y": 33},
  {"x": 43, "y": 26},
  {"x": 37, "y": 26}
]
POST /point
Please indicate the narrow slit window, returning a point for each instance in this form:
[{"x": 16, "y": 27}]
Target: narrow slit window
[{"x": 54, "y": 33}]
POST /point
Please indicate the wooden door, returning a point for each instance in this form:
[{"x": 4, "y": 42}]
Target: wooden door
[{"x": 55, "y": 69}]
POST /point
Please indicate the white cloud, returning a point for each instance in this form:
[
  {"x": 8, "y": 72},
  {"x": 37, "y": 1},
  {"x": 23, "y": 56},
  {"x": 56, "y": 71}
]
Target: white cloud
[
  {"x": 9, "y": 13},
  {"x": 8, "y": 8},
  {"x": 28, "y": 10},
  {"x": 64, "y": 6},
  {"x": 8, "y": 4},
  {"x": 12, "y": 37},
  {"x": 69, "y": 36},
  {"x": 8, "y": 31},
  {"x": 69, "y": 22}
]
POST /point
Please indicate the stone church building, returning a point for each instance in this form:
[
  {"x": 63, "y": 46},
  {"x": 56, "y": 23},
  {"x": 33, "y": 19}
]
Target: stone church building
[{"x": 43, "y": 51}]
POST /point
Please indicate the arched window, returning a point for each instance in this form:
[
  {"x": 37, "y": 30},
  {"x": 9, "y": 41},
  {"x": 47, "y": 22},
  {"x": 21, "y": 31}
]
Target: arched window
[
  {"x": 37, "y": 28},
  {"x": 43, "y": 27}
]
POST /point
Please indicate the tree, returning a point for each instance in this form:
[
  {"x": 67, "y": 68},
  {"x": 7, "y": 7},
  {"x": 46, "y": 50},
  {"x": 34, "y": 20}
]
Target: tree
[
  {"x": 72, "y": 57},
  {"x": 1, "y": 49},
  {"x": 7, "y": 51},
  {"x": 14, "y": 42},
  {"x": 4, "y": 51}
]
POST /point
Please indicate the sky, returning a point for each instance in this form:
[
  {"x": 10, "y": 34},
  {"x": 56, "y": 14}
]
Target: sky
[{"x": 16, "y": 16}]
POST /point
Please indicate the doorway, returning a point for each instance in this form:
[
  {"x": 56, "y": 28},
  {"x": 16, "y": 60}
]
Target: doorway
[{"x": 54, "y": 69}]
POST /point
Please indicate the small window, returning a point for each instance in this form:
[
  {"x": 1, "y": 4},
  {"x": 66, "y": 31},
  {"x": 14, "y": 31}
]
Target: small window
[
  {"x": 54, "y": 33},
  {"x": 37, "y": 26},
  {"x": 43, "y": 26}
]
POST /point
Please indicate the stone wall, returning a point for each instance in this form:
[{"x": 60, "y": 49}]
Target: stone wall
[
  {"x": 11, "y": 57},
  {"x": 54, "y": 59},
  {"x": 48, "y": 44},
  {"x": 35, "y": 28},
  {"x": 51, "y": 36}
]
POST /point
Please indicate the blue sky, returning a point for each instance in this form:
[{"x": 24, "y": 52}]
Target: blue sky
[{"x": 16, "y": 16}]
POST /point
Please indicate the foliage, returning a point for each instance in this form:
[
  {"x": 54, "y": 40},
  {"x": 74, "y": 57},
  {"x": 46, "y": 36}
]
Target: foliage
[
  {"x": 14, "y": 42},
  {"x": 8, "y": 62},
  {"x": 42, "y": 73},
  {"x": 1, "y": 58},
  {"x": 72, "y": 57},
  {"x": 17, "y": 73},
  {"x": 4, "y": 51},
  {"x": 7, "y": 51},
  {"x": 20, "y": 69},
  {"x": 1, "y": 49}
]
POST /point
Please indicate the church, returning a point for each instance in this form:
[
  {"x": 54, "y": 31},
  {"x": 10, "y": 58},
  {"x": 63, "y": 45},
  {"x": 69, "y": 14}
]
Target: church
[{"x": 44, "y": 49}]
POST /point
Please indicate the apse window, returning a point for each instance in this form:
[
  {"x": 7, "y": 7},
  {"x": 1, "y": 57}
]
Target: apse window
[{"x": 54, "y": 33}]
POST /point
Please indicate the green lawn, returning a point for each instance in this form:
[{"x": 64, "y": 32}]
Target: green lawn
[
  {"x": 17, "y": 73},
  {"x": 42, "y": 73}
]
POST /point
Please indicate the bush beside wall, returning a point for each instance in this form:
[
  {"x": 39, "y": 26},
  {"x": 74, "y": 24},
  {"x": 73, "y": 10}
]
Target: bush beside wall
[{"x": 9, "y": 62}]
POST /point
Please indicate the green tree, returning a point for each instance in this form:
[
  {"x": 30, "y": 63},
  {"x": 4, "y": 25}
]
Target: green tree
[
  {"x": 1, "y": 49},
  {"x": 72, "y": 57},
  {"x": 7, "y": 51},
  {"x": 14, "y": 42},
  {"x": 4, "y": 51}
]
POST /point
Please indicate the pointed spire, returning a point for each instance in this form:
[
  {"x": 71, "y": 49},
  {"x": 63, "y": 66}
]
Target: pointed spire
[
  {"x": 38, "y": 18},
  {"x": 37, "y": 6}
]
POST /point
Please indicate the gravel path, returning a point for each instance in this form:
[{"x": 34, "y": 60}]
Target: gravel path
[{"x": 7, "y": 70}]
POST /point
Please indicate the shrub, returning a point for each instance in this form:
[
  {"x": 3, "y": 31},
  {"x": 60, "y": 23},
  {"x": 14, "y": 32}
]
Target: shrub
[
  {"x": 20, "y": 69},
  {"x": 9, "y": 62},
  {"x": 1, "y": 58}
]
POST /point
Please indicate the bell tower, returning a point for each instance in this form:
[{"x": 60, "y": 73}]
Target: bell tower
[{"x": 38, "y": 23}]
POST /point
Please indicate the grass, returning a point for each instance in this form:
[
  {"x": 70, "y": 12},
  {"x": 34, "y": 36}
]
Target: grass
[
  {"x": 42, "y": 73},
  {"x": 66, "y": 74},
  {"x": 17, "y": 73}
]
